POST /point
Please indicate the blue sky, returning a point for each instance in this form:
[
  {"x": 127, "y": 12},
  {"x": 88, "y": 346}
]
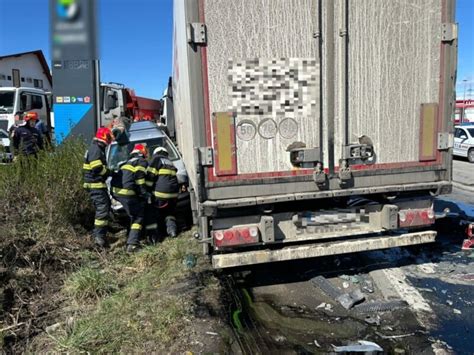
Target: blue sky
[{"x": 136, "y": 39}]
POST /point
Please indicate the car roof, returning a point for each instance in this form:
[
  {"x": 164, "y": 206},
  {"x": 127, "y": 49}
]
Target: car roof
[
  {"x": 145, "y": 125},
  {"x": 144, "y": 130}
]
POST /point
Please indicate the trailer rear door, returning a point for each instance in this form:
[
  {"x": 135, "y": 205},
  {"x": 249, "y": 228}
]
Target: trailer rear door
[{"x": 329, "y": 76}]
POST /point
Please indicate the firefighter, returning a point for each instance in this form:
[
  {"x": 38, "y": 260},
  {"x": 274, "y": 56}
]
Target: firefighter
[
  {"x": 26, "y": 138},
  {"x": 129, "y": 188},
  {"x": 95, "y": 174},
  {"x": 161, "y": 176}
]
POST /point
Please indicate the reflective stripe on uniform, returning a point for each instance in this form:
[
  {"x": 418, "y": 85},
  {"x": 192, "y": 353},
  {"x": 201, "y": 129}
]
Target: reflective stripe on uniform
[
  {"x": 104, "y": 171},
  {"x": 165, "y": 194},
  {"x": 123, "y": 192},
  {"x": 153, "y": 171},
  {"x": 166, "y": 172},
  {"x": 140, "y": 168},
  {"x": 86, "y": 166},
  {"x": 100, "y": 222},
  {"x": 151, "y": 226},
  {"x": 149, "y": 183},
  {"x": 128, "y": 167},
  {"x": 95, "y": 185},
  {"x": 95, "y": 163},
  {"x": 136, "y": 226},
  {"x": 140, "y": 181}
]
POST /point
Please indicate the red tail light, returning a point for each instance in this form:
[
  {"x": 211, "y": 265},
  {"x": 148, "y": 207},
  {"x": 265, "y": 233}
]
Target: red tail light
[
  {"x": 236, "y": 236},
  {"x": 416, "y": 217}
]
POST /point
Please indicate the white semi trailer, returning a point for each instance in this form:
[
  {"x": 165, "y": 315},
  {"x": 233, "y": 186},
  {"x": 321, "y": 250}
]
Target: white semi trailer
[{"x": 313, "y": 127}]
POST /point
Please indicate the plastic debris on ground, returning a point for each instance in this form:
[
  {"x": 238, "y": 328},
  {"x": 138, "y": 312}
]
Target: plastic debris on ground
[{"x": 362, "y": 346}]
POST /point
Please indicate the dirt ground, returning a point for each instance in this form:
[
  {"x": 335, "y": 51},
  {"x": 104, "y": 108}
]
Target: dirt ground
[{"x": 32, "y": 274}]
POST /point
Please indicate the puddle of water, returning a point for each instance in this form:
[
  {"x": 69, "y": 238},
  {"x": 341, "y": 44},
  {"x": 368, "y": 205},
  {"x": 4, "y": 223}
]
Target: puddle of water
[
  {"x": 446, "y": 299},
  {"x": 266, "y": 327}
]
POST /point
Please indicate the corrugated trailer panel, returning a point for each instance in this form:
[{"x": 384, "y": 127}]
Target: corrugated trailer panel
[
  {"x": 262, "y": 65},
  {"x": 267, "y": 71},
  {"x": 394, "y": 68},
  {"x": 386, "y": 69}
]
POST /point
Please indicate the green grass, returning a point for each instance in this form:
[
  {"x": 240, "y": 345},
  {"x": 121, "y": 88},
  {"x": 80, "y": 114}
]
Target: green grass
[
  {"x": 45, "y": 195},
  {"x": 140, "y": 312},
  {"x": 89, "y": 283}
]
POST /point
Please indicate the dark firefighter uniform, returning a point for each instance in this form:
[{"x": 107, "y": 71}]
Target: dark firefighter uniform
[
  {"x": 161, "y": 177},
  {"x": 95, "y": 174},
  {"x": 129, "y": 188},
  {"x": 27, "y": 140}
]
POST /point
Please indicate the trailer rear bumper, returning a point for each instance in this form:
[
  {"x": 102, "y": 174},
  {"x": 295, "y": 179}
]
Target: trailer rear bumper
[{"x": 220, "y": 261}]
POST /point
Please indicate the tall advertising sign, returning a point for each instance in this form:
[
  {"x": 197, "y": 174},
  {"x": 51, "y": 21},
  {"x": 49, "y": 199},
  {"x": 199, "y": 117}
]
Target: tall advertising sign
[{"x": 75, "y": 68}]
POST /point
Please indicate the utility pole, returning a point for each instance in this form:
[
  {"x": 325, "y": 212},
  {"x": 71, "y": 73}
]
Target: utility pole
[{"x": 465, "y": 82}]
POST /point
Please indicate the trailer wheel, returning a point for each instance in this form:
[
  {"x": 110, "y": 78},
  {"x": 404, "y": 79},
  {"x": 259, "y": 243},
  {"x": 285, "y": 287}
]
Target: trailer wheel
[{"x": 470, "y": 155}]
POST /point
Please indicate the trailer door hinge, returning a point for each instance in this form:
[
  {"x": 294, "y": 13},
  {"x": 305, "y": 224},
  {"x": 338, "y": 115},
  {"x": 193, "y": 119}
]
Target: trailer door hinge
[
  {"x": 206, "y": 156},
  {"x": 445, "y": 140},
  {"x": 449, "y": 32},
  {"x": 196, "y": 33}
]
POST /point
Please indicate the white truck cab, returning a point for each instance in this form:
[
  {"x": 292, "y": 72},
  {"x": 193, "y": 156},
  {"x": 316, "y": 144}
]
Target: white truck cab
[{"x": 22, "y": 99}]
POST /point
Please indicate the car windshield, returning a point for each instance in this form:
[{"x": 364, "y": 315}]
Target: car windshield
[
  {"x": 3, "y": 134},
  {"x": 118, "y": 154},
  {"x": 6, "y": 101},
  {"x": 471, "y": 131}
]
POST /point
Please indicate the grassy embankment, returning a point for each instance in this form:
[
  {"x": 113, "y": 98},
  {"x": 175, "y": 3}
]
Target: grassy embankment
[{"x": 58, "y": 293}]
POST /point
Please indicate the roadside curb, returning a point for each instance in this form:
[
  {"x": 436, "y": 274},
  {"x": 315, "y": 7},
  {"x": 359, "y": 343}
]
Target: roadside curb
[{"x": 463, "y": 186}]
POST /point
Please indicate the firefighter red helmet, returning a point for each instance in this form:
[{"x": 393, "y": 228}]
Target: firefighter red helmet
[
  {"x": 140, "y": 148},
  {"x": 30, "y": 116},
  {"x": 104, "y": 135}
]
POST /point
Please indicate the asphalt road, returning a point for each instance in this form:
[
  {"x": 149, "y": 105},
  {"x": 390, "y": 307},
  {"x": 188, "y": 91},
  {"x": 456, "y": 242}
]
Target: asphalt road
[
  {"x": 463, "y": 172},
  {"x": 282, "y": 310}
]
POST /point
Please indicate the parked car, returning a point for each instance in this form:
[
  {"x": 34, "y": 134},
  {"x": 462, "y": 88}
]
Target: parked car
[
  {"x": 464, "y": 142},
  {"x": 147, "y": 132},
  {"x": 5, "y": 150}
]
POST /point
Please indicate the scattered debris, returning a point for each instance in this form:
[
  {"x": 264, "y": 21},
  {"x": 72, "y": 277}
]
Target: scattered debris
[
  {"x": 380, "y": 306},
  {"x": 457, "y": 311},
  {"x": 348, "y": 300},
  {"x": 394, "y": 336},
  {"x": 355, "y": 279},
  {"x": 449, "y": 302},
  {"x": 372, "y": 320},
  {"x": 189, "y": 261},
  {"x": 211, "y": 333},
  {"x": 325, "y": 306},
  {"x": 52, "y": 328},
  {"x": 345, "y": 284},
  {"x": 279, "y": 338},
  {"x": 324, "y": 285},
  {"x": 361, "y": 346},
  {"x": 368, "y": 286},
  {"x": 317, "y": 344}
]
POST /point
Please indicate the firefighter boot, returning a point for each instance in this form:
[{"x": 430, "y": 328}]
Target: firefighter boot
[
  {"x": 133, "y": 248},
  {"x": 100, "y": 241},
  {"x": 171, "y": 228}
]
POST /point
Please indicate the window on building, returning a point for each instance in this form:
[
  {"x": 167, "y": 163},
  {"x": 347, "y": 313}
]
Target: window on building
[
  {"x": 29, "y": 80},
  {"x": 3, "y": 77},
  {"x": 22, "y": 80},
  {"x": 9, "y": 77},
  {"x": 38, "y": 83}
]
